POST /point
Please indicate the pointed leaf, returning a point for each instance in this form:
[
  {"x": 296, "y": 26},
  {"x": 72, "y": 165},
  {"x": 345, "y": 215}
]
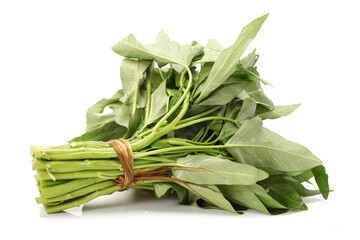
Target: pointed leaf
[
  {"x": 265, "y": 198},
  {"x": 224, "y": 94},
  {"x": 242, "y": 195},
  {"x": 260, "y": 147},
  {"x": 163, "y": 51},
  {"x": 212, "y": 51},
  {"x": 255, "y": 91},
  {"x": 158, "y": 103},
  {"x": 135, "y": 122},
  {"x": 213, "y": 170},
  {"x": 321, "y": 179},
  {"x": 287, "y": 196},
  {"x": 93, "y": 117},
  {"x": 300, "y": 189},
  {"x": 210, "y": 194},
  {"x": 279, "y": 111},
  {"x": 132, "y": 73},
  {"x": 226, "y": 63}
]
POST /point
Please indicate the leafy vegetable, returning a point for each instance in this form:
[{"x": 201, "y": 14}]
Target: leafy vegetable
[{"x": 193, "y": 117}]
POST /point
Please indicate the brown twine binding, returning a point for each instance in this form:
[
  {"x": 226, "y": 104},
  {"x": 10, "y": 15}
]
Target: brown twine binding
[{"x": 126, "y": 156}]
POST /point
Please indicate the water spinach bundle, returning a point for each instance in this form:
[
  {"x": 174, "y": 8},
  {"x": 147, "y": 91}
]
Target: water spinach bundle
[{"x": 188, "y": 121}]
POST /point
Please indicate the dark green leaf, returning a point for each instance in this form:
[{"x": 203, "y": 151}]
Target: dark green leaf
[
  {"x": 265, "y": 198},
  {"x": 244, "y": 196},
  {"x": 135, "y": 122},
  {"x": 321, "y": 179},
  {"x": 287, "y": 196},
  {"x": 210, "y": 194},
  {"x": 106, "y": 132}
]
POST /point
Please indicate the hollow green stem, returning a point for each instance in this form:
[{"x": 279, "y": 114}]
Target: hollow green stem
[{"x": 207, "y": 119}]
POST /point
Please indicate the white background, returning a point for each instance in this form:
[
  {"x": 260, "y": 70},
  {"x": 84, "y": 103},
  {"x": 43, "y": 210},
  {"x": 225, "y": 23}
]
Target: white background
[{"x": 56, "y": 61}]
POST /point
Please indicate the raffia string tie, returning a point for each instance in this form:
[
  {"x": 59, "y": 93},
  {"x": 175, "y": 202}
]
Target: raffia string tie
[{"x": 126, "y": 156}]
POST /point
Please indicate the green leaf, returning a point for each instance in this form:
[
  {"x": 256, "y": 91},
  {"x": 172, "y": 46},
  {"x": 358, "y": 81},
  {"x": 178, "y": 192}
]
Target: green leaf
[
  {"x": 212, "y": 51},
  {"x": 321, "y": 179},
  {"x": 94, "y": 119},
  {"x": 105, "y": 132},
  {"x": 244, "y": 196},
  {"x": 260, "y": 147},
  {"x": 206, "y": 169},
  {"x": 249, "y": 61},
  {"x": 204, "y": 73},
  {"x": 123, "y": 115},
  {"x": 287, "y": 196},
  {"x": 265, "y": 198},
  {"x": 279, "y": 111},
  {"x": 158, "y": 103},
  {"x": 135, "y": 122},
  {"x": 299, "y": 188},
  {"x": 224, "y": 94},
  {"x": 241, "y": 114},
  {"x": 247, "y": 111},
  {"x": 174, "y": 99},
  {"x": 255, "y": 91},
  {"x": 210, "y": 194},
  {"x": 226, "y": 63},
  {"x": 163, "y": 51},
  {"x": 161, "y": 190},
  {"x": 132, "y": 74}
]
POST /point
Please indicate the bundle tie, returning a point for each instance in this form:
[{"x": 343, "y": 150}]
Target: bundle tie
[{"x": 126, "y": 156}]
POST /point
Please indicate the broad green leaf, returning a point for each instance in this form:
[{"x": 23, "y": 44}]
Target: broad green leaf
[
  {"x": 244, "y": 196},
  {"x": 265, "y": 198},
  {"x": 210, "y": 194},
  {"x": 226, "y": 63},
  {"x": 321, "y": 179},
  {"x": 224, "y": 94},
  {"x": 287, "y": 196},
  {"x": 255, "y": 91},
  {"x": 300, "y": 189},
  {"x": 158, "y": 103},
  {"x": 161, "y": 190},
  {"x": 132, "y": 74},
  {"x": 105, "y": 132},
  {"x": 159, "y": 75},
  {"x": 279, "y": 111},
  {"x": 163, "y": 51},
  {"x": 212, "y": 51},
  {"x": 204, "y": 169},
  {"x": 94, "y": 119},
  {"x": 123, "y": 114},
  {"x": 242, "y": 71},
  {"x": 247, "y": 111},
  {"x": 240, "y": 114},
  {"x": 260, "y": 147},
  {"x": 180, "y": 191}
]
